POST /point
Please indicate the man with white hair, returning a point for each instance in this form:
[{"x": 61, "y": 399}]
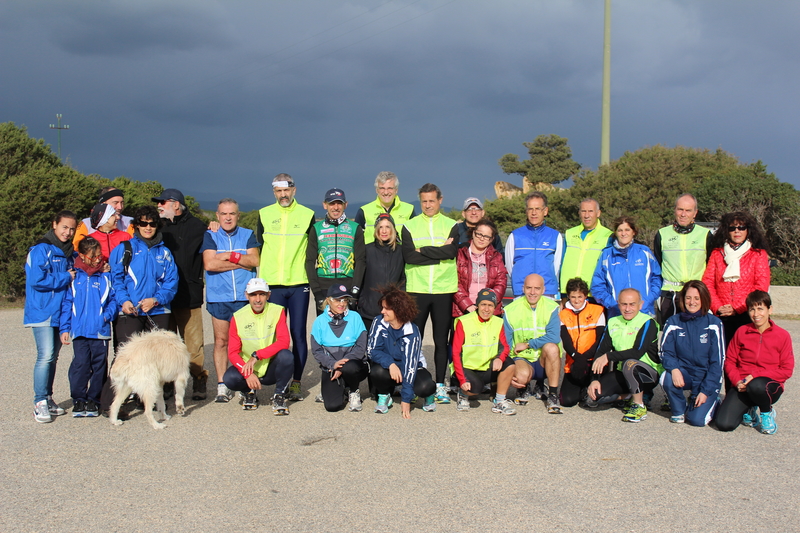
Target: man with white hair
[{"x": 386, "y": 185}]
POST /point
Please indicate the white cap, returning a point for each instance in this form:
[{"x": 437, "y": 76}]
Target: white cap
[{"x": 256, "y": 285}]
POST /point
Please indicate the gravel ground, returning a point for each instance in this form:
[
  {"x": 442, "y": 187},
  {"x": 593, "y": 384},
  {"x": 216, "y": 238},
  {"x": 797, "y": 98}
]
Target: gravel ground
[{"x": 221, "y": 468}]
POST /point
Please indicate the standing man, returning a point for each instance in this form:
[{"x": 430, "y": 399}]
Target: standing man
[
  {"x": 336, "y": 251},
  {"x": 430, "y": 245},
  {"x": 259, "y": 349},
  {"x": 584, "y": 244},
  {"x": 472, "y": 213},
  {"x": 533, "y": 328},
  {"x": 282, "y": 232},
  {"x": 183, "y": 236},
  {"x": 116, "y": 199},
  {"x": 386, "y": 185},
  {"x": 230, "y": 258},
  {"x": 682, "y": 250},
  {"x": 535, "y": 249}
]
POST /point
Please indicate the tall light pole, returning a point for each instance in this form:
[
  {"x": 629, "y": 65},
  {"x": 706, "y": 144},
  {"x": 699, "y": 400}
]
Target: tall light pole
[
  {"x": 59, "y": 128},
  {"x": 605, "y": 121}
]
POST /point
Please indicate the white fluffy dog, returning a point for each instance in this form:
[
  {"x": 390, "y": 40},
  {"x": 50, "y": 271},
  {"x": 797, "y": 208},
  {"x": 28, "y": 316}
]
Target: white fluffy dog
[{"x": 143, "y": 365}]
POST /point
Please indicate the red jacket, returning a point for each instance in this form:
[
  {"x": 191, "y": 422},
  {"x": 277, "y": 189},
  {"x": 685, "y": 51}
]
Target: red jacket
[
  {"x": 496, "y": 273},
  {"x": 754, "y": 271},
  {"x": 109, "y": 241},
  {"x": 767, "y": 354}
]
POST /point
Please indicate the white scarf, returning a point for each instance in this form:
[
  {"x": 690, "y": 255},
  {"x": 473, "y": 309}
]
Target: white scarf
[{"x": 732, "y": 258}]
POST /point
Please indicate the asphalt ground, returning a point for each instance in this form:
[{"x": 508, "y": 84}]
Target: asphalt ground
[{"x": 220, "y": 468}]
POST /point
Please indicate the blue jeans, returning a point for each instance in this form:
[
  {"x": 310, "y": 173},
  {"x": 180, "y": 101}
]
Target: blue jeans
[{"x": 48, "y": 344}]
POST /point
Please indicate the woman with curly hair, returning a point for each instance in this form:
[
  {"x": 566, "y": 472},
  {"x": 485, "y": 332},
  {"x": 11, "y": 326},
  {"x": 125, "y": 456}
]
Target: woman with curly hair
[
  {"x": 738, "y": 266},
  {"x": 394, "y": 348}
]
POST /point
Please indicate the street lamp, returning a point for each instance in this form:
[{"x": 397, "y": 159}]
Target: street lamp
[{"x": 59, "y": 128}]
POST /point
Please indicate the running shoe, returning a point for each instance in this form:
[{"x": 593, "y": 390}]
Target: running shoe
[
  {"x": 224, "y": 394},
  {"x": 355, "y": 401},
  {"x": 92, "y": 409},
  {"x": 55, "y": 410},
  {"x": 750, "y": 418},
  {"x": 41, "y": 412},
  {"x": 199, "y": 388},
  {"x": 79, "y": 409},
  {"x": 384, "y": 403},
  {"x": 635, "y": 414},
  {"x": 648, "y": 397},
  {"x": 441, "y": 395},
  {"x": 768, "y": 425},
  {"x": 665, "y": 405},
  {"x": 677, "y": 419},
  {"x": 504, "y": 407},
  {"x": 553, "y": 405},
  {"x": 429, "y": 404},
  {"x": 279, "y": 405},
  {"x": 538, "y": 391},
  {"x": 319, "y": 399},
  {"x": 523, "y": 396},
  {"x": 463, "y": 402},
  {"x": 295, "y": 393},
  {"x": 250, "y": 402}
]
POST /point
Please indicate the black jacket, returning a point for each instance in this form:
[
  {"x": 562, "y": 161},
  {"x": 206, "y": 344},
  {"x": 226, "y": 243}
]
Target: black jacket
[
  {"x": 183, "y": 237},
  {"x": 384, "y": 266}
]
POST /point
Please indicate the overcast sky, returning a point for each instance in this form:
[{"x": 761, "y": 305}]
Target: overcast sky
[{"x": 215, "y": 98}]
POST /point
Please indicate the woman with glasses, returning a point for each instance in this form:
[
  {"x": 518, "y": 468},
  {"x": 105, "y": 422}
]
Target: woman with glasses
[
  {"x": 479, "y": 265},
  {"x": 145, "y": 277},
  {"x": 738, "y": 266}
]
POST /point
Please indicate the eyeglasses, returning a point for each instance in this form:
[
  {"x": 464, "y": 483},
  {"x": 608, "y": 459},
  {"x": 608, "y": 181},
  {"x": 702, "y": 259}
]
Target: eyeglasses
[
  {"x": 536, "y": 209},
  {"x": 472, "y": 209},
  {"x": 737, "y": 228},
  {"x": 144, "y": 224},
  {"x": 476, "y": 235}
]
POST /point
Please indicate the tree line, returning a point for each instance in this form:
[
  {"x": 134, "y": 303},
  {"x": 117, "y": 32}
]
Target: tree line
[{"x": 35, "y": 184}]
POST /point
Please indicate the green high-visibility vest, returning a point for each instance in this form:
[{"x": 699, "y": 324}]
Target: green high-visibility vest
[
  {"x": 529, "y": 323},
  {"x": 481, "y": 340},
  {"x": 581, "y": 256},
  {"x": 257, "y": 331},
  {"x": 623, "y": 335},
  {"x": 683, "y": 257},
  {"x": 285, "y": 237},
  {"x": 431, "y": 279},
  {"x": 400, "y": 212}
]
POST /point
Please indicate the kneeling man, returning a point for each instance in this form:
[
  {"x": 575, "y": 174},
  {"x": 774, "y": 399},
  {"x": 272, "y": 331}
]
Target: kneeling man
[
  {"x": 480, "y": 354},
  {"x": 258, "y": 349},
  {"x": 534, "y": 328},
  {"x": 629, "y": 364}
]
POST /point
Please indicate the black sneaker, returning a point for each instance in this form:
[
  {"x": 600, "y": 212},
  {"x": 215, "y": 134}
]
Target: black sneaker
[
  {"x": 79, "y": 409},
  {"x": 279, "y": 405},
  {"x": 91, "y": 409},
  {"x": 250, "y": 402},
  {"x": 169, "y": 391},
  {"x": 199, "y": 386}
]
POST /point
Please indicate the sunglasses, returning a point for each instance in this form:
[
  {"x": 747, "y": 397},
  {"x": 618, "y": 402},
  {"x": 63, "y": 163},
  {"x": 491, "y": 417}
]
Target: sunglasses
[
  {"x": 144, "y": 224},
  {"x": 735, "y": 228}
]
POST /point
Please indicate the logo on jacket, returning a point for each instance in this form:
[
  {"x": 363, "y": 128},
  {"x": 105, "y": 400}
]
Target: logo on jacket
[{"x": 704, "y": 338}]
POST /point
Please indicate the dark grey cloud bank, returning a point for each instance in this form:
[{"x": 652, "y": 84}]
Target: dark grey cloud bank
[{"x": 217, "y": 97}]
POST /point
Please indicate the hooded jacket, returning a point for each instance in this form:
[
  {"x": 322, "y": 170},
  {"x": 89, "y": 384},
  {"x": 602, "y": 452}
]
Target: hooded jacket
[{"x": 89, "y": 306}]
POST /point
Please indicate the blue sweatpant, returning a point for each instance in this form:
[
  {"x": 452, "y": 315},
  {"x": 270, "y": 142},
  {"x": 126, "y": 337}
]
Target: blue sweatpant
[
  {"x": 679, "y": 405},
  {"x": 279, "y": 373},
  {"x": 295, "y": 300},
  {"x": 89, "y": 369}
]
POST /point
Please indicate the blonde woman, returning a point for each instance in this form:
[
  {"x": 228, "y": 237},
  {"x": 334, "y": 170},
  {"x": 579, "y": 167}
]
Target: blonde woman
[{"x": 385, "y": 266}]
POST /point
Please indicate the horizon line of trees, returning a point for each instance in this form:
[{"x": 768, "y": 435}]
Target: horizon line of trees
[{"x": 35, "y": 184}]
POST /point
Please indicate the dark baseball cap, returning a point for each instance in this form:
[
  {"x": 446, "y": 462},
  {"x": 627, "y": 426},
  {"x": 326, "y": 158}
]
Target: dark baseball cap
[
  {"x": 335, "y": 195},
  {"x": 170, "y": 194},
  {"x": 338, "y": 292}
]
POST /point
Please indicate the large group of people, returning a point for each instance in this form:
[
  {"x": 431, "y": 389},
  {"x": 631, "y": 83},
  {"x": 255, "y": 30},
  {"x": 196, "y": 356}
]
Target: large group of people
[{"x": 598, "y": 318}]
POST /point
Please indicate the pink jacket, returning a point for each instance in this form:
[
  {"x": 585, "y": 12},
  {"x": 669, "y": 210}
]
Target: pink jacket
[
  {"x": 767, "y": 354},
  {"x": 496, "y": 271},
  {"x": 754, "y": 271}
]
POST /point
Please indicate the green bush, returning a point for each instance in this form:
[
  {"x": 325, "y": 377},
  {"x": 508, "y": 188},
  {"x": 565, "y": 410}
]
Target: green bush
[{"x": 785, "y": 275}]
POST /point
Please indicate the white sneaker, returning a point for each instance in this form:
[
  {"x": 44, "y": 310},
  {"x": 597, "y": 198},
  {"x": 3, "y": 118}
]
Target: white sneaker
[
  {"x": 355, "y": 401},
  {"x": 224, "y": 394},
  {"x": 41, "y": 412},
  {"x": 53, "y": 407},
  {"x": 463, "y": 402}
]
